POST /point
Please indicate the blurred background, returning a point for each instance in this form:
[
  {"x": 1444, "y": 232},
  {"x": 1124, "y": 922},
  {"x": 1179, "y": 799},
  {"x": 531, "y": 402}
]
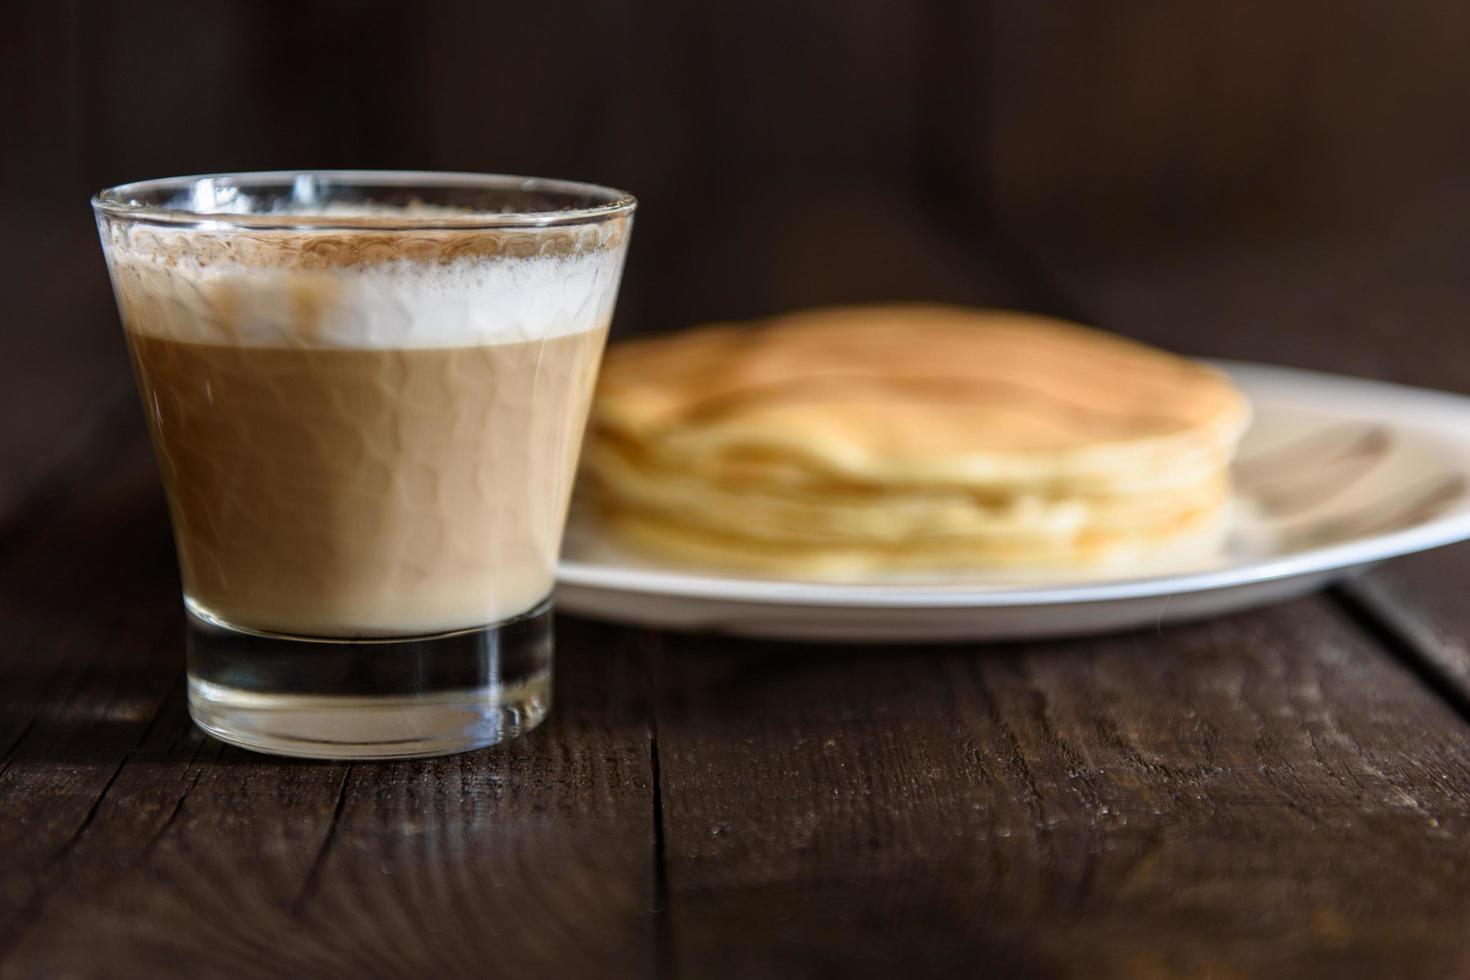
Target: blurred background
[{"x": 1282, "y": 180}]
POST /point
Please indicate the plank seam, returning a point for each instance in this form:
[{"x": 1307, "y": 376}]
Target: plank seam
[
  {"x": 37, "y": 899},
  {"x": 313, "y": 878},
  {"x": 82, "y": 828},
  {"x": 662, "y": 939},
  {"x": 1364, "y": 614},
  {"x": 8, "y": 759},
  {"x": 178, "y": 807}
]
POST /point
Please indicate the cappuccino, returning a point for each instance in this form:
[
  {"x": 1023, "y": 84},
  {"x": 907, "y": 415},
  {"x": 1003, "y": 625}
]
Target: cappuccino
[{"x": 364, "y": 434}]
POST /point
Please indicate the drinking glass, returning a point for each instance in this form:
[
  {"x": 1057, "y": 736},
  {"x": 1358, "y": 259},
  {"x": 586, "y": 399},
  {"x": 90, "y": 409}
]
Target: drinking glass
[{"x": 366, "y": 394}]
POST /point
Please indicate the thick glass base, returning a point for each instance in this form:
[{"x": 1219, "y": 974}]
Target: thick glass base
[{"x": 373, "y": 699}]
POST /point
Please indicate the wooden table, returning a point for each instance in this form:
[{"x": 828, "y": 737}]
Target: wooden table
[{"x": 1284, "y": 792}]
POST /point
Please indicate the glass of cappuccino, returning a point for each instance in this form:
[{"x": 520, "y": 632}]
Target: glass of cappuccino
[{"x": 366, "y": 392}]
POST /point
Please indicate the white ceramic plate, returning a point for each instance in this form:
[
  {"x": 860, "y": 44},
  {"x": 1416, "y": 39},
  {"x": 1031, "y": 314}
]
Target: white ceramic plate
[{"x": 1336, "y": 473}]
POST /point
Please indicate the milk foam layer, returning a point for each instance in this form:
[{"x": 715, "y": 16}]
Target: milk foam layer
[{"x": 369, "y": 290}]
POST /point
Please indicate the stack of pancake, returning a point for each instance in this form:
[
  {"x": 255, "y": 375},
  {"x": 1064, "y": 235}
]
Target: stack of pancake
[{"x": 846, "y": 441}]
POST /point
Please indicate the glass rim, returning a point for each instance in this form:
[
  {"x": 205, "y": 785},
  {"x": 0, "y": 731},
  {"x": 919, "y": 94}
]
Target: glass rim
[{"x": 122, "y": 201}]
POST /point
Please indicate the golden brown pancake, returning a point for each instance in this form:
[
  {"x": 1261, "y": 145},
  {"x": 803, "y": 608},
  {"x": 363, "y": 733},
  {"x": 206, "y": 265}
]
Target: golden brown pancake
[
  {"x": 855, "y": 515},
  {"x": 1196, "y": 531},
  {"x": 972, "y": 436}
]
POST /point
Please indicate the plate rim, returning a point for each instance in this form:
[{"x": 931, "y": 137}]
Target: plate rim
[{"x": 1342, "y": 556}]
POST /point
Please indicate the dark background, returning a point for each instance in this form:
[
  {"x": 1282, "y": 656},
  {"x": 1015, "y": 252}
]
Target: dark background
[{"x": 1006, "y": 152}]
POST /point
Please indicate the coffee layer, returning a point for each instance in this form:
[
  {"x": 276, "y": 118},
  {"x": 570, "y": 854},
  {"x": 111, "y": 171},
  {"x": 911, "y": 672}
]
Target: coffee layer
[{"x": 346, "y": 493}]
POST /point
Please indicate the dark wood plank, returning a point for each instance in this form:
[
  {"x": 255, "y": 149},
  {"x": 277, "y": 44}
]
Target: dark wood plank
[
  {"x": 173, "y": 855},
  {"x": 1420, "y": 603},
  {"x": 1265, "y": 795}
]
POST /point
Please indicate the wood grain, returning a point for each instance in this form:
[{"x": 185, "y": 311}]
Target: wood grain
[
  {"x": 175, "y": 856},
  {"x": 1265, "y": 795}
]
